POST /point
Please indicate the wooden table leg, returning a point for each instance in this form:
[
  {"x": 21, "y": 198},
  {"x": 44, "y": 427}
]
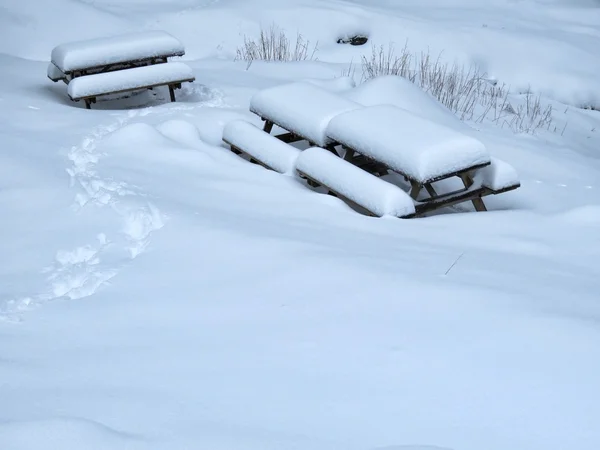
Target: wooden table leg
[
  {"x": 430, "y": 190},
  {"x": 172, "y": 92},
  {"x": 477, "y": 202},
  {"x": 268, "y": 126},
  {"x": 415, "y": 188}
]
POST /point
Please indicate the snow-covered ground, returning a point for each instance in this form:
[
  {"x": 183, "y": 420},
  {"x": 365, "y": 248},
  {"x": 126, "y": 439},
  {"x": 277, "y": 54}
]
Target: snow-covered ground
[{"x": 159, "y": 292}]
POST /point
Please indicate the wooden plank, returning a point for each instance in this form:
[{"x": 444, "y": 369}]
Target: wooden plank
[
  {"x": 422, "y": 208},
  {"x": 88, "y": 70},
  {"x": 430, "y": 190},
  {"x": 288, "y": 138},
  {"x": 468, "y": 182},
  {"x": 415, "y": 188}
]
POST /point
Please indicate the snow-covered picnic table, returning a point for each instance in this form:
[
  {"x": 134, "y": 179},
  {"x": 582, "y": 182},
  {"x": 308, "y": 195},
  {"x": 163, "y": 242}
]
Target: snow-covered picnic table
[
  {"x": 116, "y": 64},
  {"x": 378, "y": 139}
]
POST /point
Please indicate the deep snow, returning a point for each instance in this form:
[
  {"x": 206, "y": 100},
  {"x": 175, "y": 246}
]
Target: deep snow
[{"x": 159, "y": 292}]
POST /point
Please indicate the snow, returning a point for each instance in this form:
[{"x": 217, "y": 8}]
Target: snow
[
  {"x": 411, "y": 145},
  {"x": 122, "y": 80},
  {"x": 372, "y": 193},
  {"x": 263, "y": 147},
  {"x": 101, "y": 51},
  {"x": 301, "y": 108},
  {"x": 54, "y": 73},
  {"x": 338, "y": 84},
  {"x": 398, "y": 91},
  {"x": 158, "y": 292},
  {"x": 497, "y": 176}
]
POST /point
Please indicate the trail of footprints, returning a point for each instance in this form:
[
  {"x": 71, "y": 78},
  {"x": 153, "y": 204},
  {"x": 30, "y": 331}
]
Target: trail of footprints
[{"x": 79, "y": 272}]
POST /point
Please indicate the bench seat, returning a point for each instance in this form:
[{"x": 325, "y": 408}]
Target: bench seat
[
  {"x": 376, "y": 196},
  {"x": 267, "y": 150},
  {"x": 92, "y": 86}
]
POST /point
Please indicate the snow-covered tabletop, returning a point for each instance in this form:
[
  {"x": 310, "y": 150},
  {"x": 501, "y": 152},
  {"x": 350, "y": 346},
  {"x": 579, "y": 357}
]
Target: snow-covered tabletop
[
  {"x": 421, "y": 149},
  {"x": 302, "y": 108},
  {"x": 73, "y": 56}
]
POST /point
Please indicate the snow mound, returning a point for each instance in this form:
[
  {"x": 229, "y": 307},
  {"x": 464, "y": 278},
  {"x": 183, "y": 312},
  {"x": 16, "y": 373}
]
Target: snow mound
[
  {"x": 180, "y": 131},
  {"x": 372, "y": 193},
  {"x": 418, "y": 148},
  {"x": 138, "y": 134},
  {"x": 339, "y": 84},
  {"x": 398, "y": 91}
]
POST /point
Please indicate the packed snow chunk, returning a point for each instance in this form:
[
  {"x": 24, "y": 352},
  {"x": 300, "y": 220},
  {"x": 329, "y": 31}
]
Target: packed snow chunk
[
  {"x": 181, "y": 131},
  {"x": 54, "y": 73},
  {"x": 499, "y": 175},
  {"x": 339, "y": 84},
  {"x": 398, "y": 91},
  {"x": 115, "y": 49},
  {"x": 261, "y": 146},
  {"x": 372, "y": 193},
  {"x": 123, "y": 80},
  {"x": 302, "y": 108},
  {"x": 409, "y": 144}
]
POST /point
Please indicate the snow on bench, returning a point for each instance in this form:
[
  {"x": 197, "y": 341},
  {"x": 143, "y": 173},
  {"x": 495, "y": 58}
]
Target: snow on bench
[
  {"x": 499, "y": 176},
  {"x": 301, "y": 108},
  {"x": 375, "y": 195},
  {"x": 98, "y": 84},
  {"x": 54, "y": 73},
  {"x": 266, "y": 149},
  {"x": 411, "y": 145},
  {"x": 100, "y": 52}
]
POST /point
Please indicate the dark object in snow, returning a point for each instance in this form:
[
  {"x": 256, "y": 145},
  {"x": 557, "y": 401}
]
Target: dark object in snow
[{"x": 359, "y": 39}]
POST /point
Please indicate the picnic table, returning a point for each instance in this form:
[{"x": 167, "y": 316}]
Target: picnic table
[
  {"x": 377, "y": 140},
  {"x": 117, "y": 64}
]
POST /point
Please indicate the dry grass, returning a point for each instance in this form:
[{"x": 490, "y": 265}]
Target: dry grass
[
  {"x": 274, "y": 45},
  {"x": 465, "y": 91}
]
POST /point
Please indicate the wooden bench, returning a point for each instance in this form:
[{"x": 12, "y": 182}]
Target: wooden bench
[
  {"x": 115, "y": 63},
  {"x": 90, "y": 87},
  {"x": 360, "y": 189},
  {"x": 260, "y": 147}
]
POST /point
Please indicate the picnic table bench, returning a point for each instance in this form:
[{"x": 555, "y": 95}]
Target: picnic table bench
[{"x": 117, "y": 64}]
